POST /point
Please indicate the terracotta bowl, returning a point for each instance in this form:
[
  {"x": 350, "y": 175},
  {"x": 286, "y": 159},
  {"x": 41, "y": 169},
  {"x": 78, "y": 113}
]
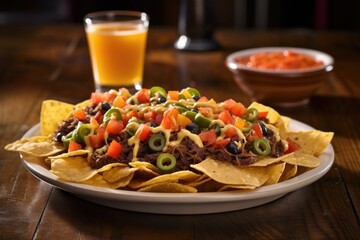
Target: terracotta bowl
[{"x": 285, "y": 87}]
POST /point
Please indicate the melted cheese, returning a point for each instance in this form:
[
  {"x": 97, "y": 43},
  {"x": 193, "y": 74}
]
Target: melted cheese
[{"x": 135, "y": 140}]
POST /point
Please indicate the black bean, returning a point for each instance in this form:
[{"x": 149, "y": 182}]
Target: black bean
[
  {"x": 264, "y": 130},
  {"x": 105, "y": 106},
  {"x": 161, "y": 99},
  {"x": 153, "y": 124},
  {"x": 233, "y": 148},
  {"x": 59, "y": 136},
  {"x": 193, "y": 128},
  {"x": 196, "y": 98}
]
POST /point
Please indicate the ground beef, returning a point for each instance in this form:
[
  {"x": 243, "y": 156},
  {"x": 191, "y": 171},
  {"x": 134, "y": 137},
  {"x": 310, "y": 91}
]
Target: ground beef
[
  {"x": 67, "y": 126},
  {"x": 186, "y": 153}
]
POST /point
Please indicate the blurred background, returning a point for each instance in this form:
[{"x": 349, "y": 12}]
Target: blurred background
[{"x": 239, "y": 14}]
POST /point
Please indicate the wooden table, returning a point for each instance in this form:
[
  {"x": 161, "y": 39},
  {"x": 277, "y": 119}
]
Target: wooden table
[{"x": 43, "y": 62}]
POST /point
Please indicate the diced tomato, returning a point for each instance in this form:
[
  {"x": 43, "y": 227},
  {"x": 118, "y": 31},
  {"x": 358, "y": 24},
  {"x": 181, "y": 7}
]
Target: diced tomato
[
  {"x": 262, "y": 115},
  {"x": 222, "y": 143},
  {"x": 74, "y": 146},
  {"x": 101, "y": 132},
  {"x": 115, "y": 149},
  {"x": 95, "y": 141},
  {"x": 203, "y": 99},
  {"x": 173, "y": 95},
  {"x": 228, "y": 103},
  {"x": 226, "y": 117},
  {"x": 204, "y": 111},
  {"x": 257, "y": 129},
  {"x": 114, "y": 126},
  {"x": 208, "y": 137},
  {"x": 97, "y": 98},
  {"x": 170, "y": 119},
  {"x": 144, "y": 132},
  {"x": 149, "y": 116},
  {"x": 143, "y": 95},
  {"x": 99, "y": 117},
  {"x": 238, "y": 109},
  {"x": 80, "y": 114},
  {"x": 124, "y": 93},
  {"x": 183, "y": 120},
  {"x": 292, "y": 145},
  {"x": 126, "y": 117},
  {"x": 230, "y": 132},
  {"x": 109, "y": 97},
  {"x": 119, "y": 102},
  {"x": 158, "y": 119},
  {"x": 94, "y": 122}
]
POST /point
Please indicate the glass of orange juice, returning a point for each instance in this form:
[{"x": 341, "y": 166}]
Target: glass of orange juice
[{"x": 117, "y": 44}]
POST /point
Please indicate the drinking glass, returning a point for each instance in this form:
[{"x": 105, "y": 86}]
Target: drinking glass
[{"x": 117, "y": 44}]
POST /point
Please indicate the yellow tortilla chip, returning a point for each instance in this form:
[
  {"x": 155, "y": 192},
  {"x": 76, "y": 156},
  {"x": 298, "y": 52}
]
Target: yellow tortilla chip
[
  {"x": 274, "y": 117},
  {"x": 98, "y": 180},
  {"x": 227, "y": 173},
  {"x": 52, "y": 114},
  {"x": 236, "y": 187},
  {"x": 289, "y": 172},
  {"x": 168, "y": 187},
  {"x": 311, "y": 142},
  {"x": 185, "y": 176},
  {"x": 275, "y": 172},
  {"x": 116, "y": 173},
  {"x": 72, "y": 169},
  {"x": 304, "y": 160},
  {"x": 39, "y": 146}
]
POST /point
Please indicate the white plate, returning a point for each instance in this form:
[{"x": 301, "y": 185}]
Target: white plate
[{"x": 185, "y": 203}]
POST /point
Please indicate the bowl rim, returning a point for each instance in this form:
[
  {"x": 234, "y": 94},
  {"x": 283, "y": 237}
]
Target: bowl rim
[{"x": 318, "y": 55}]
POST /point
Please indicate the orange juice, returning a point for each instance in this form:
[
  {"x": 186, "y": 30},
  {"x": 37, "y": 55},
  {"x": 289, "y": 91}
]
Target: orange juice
[{"x": 117, "y": 54}]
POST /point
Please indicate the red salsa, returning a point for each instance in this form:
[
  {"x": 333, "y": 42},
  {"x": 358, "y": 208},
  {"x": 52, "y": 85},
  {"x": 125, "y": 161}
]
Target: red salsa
[{"x": 280, "y": 60}]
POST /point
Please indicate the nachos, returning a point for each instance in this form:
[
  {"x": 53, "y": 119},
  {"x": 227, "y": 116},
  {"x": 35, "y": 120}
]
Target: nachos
[{"x": 170, "y": 141}]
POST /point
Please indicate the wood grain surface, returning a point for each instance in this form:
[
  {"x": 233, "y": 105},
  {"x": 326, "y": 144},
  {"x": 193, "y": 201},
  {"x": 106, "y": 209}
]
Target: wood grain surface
[{"x": 52, "y": 62}]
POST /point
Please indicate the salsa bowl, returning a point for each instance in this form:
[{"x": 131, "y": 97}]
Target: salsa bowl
[{"x": 282, "y": 76}]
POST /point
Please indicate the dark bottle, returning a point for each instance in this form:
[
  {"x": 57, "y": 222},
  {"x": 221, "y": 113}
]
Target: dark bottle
[{"x": 196, "y": 26}]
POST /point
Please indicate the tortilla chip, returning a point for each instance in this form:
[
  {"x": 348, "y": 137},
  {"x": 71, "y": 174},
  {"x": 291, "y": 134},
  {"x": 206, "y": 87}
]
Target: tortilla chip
[
  {"x": 186, "y": 176},
  {"x": 301, "y": 159},
  {"x": 39, "y": 146},
  {"x": 116, "y": 173},
  {"x": 235, "y": 187},
  {"x": 145, "y": 170},
  {"x": 72, "y": 169},
  {"x": 98, "y": 180},
  {"x": 168, "y": 187},
  {"x": 311, "y": 142},
  {"x": 227, "y": 173},
  {"x": 273, "y": 116},
  {"x": 52, "y": 114},
  {"x": 289, "y": 172},
  {"x": 275, "y": 172},
  {"x": 263, "y": 162}
]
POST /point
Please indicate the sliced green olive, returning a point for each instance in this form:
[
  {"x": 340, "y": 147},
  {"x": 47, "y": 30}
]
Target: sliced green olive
[
  {"x": 216, "y": 128},
  {"x": 193, "y": 91},
  {"x": 202, "y": 121},
  {"x": 182, "y": 108},
  {"x": 80, "y": 132},
  {"x": 66, "y": 139},
  {"x": 190, "y": 114},
  {"x": 261, "y": 147},
  {"x": 112, "y": 112},
  {"x": 154, "y": 91},
  {"x": 157, "y": 142},
  {"x": 166, "y": 163},
  {"x": 251, "y": 115}
]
